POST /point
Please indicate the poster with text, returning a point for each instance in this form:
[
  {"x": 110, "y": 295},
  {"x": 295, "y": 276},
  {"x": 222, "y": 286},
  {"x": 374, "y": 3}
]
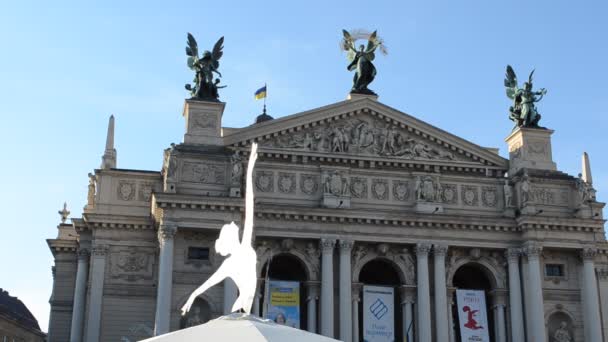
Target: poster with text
[
  {"x": 472, "y": 316},
  {"x": 284, "y": 303},
  {"x": 378, "y": 314}
]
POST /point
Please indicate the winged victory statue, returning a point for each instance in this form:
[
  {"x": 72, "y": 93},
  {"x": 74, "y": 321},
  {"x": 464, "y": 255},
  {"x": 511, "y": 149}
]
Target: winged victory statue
[
  {"x": 361, "y": 60},
  {"x": 205, "y": 86},
  {"x": 523, "y": 111}
]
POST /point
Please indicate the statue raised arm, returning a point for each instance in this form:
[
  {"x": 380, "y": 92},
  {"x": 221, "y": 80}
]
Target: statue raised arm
[
  {"x": 523, "y": 111},
  {"x": 205, "y": 87},
  {"x": 361, "y": 60}
]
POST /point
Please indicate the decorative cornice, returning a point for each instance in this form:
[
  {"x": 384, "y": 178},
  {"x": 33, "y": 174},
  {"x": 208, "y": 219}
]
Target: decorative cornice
[
  {"x": 327, "y": 245},
  {"x": 440, "y": 250},
  {"x": 423, "y": 249}
]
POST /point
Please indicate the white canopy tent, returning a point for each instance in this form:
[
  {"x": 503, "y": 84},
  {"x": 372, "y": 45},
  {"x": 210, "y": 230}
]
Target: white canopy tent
[{"x": 240, "y": 327}]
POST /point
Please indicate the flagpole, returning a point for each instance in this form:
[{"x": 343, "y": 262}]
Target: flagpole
[{"x": 265, "y": 96}]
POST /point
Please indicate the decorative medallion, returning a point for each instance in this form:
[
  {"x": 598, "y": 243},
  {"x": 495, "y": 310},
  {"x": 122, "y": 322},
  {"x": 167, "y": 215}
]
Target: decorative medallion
[
  {"x": 489, "y": 196},
  {"x": 264, "y": 181},
  {"x": 287, "y": 182},
  {"x": 469, "y": 195},
  {"x": 449, "y": 194},
  {"x": 400, "y": 190},
  {"x": 126, "y": 190},
  {"x": 380, "y": 189},
  {"x": 145, "y": 191},
  {"x": 358, "y": 187},
  {"x": 309, "y": 184}
]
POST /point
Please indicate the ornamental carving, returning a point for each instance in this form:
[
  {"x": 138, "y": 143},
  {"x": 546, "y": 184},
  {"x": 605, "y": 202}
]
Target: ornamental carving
[
  {"x": 359, "y": 252},
  {"x": 449, "y": 194},
  {"x": 469, "y": 195},
  {"x": 423, "y": 249},
  {"x": 380, "y": 189},
  {"x": 358, "y": 187},
  {"x": 401, "y": 190},
  {"x": 99, "y": 250},
  {"x": 427, "y": 189},
  {"x": 287, "y": 182},
  {"x": 309, "y": 184},
  {"x": 335, "y": 183},
  {"x": 327, "y": 245},
  {"x": 131, "y": 265},
  {"x": 542, "y": 196},
  {"x": 208, "y": 173},
  {"x": 145, "y": 191},
  {"x": 264, "y": 181},
  {"x": 492, "y": 260},
  {"x": 126, "y": 190},
  {"x": 489, "y": 196},
  {"x": 201, "y": 121},
  {"x": 367, "y": 136},
  {"x": 537, "y": 148}
]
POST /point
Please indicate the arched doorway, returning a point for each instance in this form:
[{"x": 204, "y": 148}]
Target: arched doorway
[
  {"x": 286, "y": 267},
  {"x": 199, "y": 313},
  {"x": 382, "y": 272},
  {"x": 473, "y": 276}
]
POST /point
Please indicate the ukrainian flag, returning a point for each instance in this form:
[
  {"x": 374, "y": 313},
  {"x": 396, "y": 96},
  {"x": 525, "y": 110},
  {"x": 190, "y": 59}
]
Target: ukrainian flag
[{"x": 260, "y": 93}]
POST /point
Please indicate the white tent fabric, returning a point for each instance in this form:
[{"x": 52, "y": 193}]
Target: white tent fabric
[{"x": 240, "y": 327}]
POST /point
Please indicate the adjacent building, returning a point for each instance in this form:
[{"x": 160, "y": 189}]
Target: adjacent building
[{"x": 17, "y": 324}]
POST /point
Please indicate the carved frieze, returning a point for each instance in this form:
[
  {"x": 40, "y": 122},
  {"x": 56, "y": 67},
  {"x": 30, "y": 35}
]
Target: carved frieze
[
  {"x": 449, "y": 194},
  {"x": 145, "y": 191},
  {"x": 203, "y": 121},
  {"x": 264, "y": 181},
  {"x": 380, "y": 189},
  {"x": 470, "y": 195},
  {"x": 489, "y": 196},
  {"x": 309, "y": 184},
  {"x": 368, "y": 136},
  {"x": 542, "y": 195},
  {"x": 401, "y": 190},
  {"x": 287, "y": 182},
  {"x": 126, "y": 190},
  {"x": 208, "y": 173},
  {"x": 358, "y": 187},
  {"x": 131, "y": 265}
]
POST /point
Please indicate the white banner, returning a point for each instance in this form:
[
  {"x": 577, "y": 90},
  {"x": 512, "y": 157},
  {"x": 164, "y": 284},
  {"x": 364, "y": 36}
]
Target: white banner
[
  {"x": 378, "y": 314},
  {"x": 472, "y": 316}
]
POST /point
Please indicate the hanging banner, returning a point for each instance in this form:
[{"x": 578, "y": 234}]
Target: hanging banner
[
  {"x": 284, "y": 303},
  {"x": 472, "y": 316},
  {"x": 378, "y": 314}
]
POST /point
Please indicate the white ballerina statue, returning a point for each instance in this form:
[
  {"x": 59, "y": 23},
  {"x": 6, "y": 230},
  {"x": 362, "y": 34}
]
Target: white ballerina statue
[{"x": 240, "y": 265}]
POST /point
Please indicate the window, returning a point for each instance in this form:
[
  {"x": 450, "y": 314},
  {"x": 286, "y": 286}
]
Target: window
[
  {"x": 198, "y": 253},
  {"x": 554, "y": 270}
]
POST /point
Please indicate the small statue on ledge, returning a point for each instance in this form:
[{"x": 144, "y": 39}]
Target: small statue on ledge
[
  {"x": 361, "y": 60},
  {"x": 205, "y": 87},
  {"x": 523, "y": 112}
]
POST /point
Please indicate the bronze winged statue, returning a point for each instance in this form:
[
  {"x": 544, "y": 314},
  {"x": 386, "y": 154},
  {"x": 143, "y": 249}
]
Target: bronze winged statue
[
  {"x": 523, "y": 111},
  {"x": 361, "y": 60},
  {"x": 205, "y": 87}
]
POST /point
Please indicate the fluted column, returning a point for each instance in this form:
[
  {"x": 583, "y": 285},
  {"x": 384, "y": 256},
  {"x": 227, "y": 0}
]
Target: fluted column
[
  {"x": 80, "y": 295},
  {"x": 346, "y": 324},
  {"x": 327, "y": 287},
  {"x": 407, "y": 293},
  {"x": 536, "y": 305},
  {"x": 591, "y": 308},
  {"x": 311, "y": 302},
  {"x": 165, "y": 279},
  {"x": 451, "y": 302},
  {"x": 515, "y": 307},
  {"x": 98, "y": 267},
  {"x": 441, "y": 302},
  {"x": 356, "y": 288},
  {"x": 424, "y": 300},
  {"x": 498, "y": 306}
]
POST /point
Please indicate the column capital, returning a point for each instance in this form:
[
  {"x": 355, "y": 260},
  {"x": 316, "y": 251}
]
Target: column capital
[
  {"x": 166, "y": 232},
  {"x": 513, "y": 254},
  {"x": 313, "y": 289},
  {"x": 356, "y": 291},
  {"x": 83, "y": 254},
  {"x": 99, "y": 250},
  {"x": 346, "y": 245},
  {"x": 423, "y": 249},
  {"x": 407, "y": 293},
  {"x": 327, "y": 245},
  {"x": 588, "y": 253},
  {"x": 440, "y": 250},
  {"x": 532, "y": 250}
]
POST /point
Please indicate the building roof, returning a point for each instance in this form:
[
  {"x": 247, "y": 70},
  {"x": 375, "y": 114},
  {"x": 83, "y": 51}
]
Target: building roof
[{"x": 13, "y": 308}]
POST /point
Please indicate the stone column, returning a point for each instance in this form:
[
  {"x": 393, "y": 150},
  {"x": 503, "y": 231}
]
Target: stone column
[
  {"x": 256, "y": 300},
  {"x": 165, "y": 279},
  {"x": 451, "y": 302},
  {"x": 346, "y": 323},
  {"x": 356, "y": 291},
  {"x": 327, "y": 287},
  {"x": 537, "y": 311},
  {"x": 98, "y": 268},
  {"x": 424, "y": 300},
  {"x": 441, "y": 302},
  {"x": 407, "y": 293},
  {"x": 311, "y": 301},
  {"x": 80, "y": 295},
  {"x": 525, "y": 280},
  {"x": 591, "y": 308},
  {"x": 602, "y": 275},
  {"x": 498, "y": 301},
  {"x": 230, "y": 294},
  {"x": 515, "y": 308}
]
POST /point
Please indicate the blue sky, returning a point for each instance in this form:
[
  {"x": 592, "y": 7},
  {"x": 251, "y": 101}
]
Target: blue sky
[{"x": 66, "y": 66}]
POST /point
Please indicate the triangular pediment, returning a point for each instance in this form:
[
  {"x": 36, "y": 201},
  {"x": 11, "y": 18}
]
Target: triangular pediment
[{"x": 364, "y": 128}]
